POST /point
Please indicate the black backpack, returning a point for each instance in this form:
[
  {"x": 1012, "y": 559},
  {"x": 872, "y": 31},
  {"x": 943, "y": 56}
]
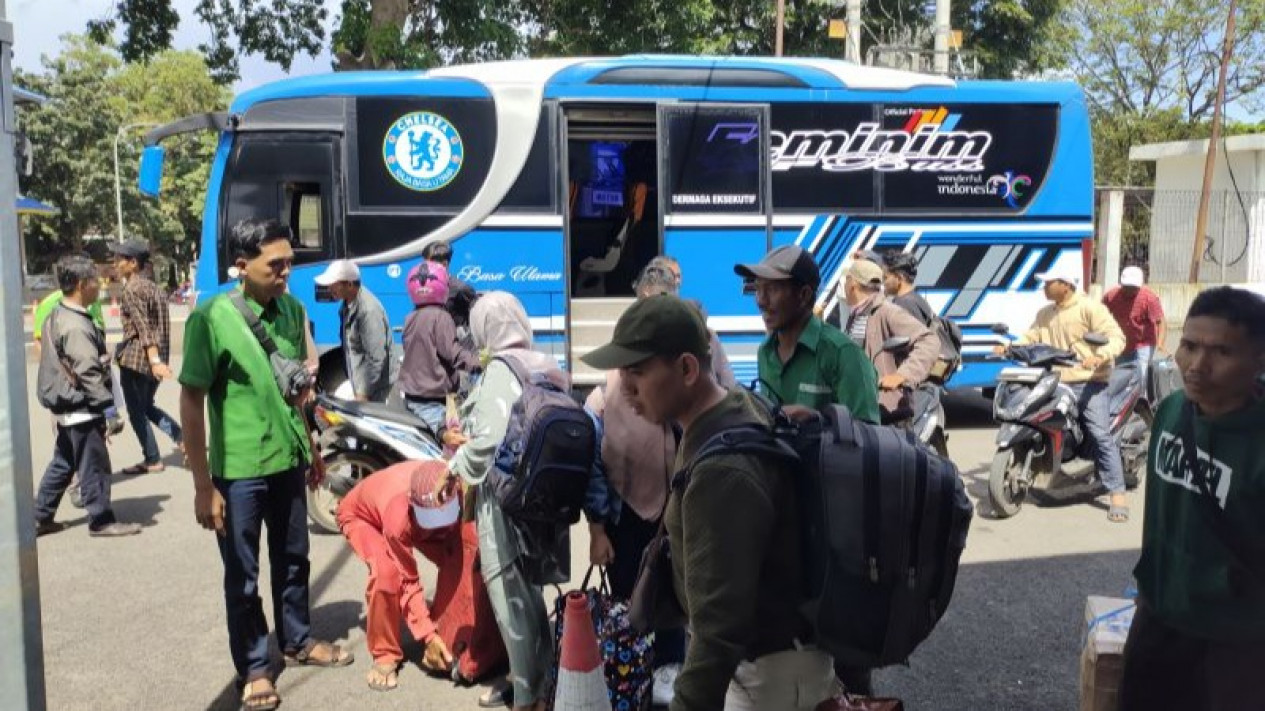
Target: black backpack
[
  {"x": 883, "y": 522},
  {"x": 950, "y": 358},
  {"x": 543, "y": 465}
]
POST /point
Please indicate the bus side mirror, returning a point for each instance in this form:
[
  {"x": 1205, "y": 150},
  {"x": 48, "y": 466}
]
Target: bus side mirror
[{"x": 151, "y": 178}]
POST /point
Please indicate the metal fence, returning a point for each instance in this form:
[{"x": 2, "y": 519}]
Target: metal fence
[{"x": 1158, "y": 234}]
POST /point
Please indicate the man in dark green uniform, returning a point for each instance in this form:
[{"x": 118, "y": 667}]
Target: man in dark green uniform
[
  {"x": 1198, "y": 635},
  {"x": 805, "y": 364}
]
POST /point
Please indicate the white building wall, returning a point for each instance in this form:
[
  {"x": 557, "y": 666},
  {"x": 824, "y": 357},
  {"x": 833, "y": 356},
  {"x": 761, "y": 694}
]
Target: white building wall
[{"x": 1231, "y": 255}]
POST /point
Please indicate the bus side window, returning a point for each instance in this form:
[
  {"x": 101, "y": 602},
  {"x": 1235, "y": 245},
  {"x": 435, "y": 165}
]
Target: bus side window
[
  {"x": 290, "y": 178},
  {"x": 303, "y": 213}
]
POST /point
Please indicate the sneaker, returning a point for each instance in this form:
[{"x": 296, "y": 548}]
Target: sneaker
[
  {"x": 665, "y": 684},
  {"x": 43, "y": 528},
  {"x": 76, "y": 497},
  {"x": 116, "y": 529}
]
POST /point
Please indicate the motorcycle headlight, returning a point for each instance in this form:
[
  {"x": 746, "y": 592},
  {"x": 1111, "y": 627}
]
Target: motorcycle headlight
[{"x": 1039, "y": 392}]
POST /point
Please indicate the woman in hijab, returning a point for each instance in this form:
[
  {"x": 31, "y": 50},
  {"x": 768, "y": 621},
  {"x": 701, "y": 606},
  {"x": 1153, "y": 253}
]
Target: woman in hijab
[{"x": 500, "y": 330}]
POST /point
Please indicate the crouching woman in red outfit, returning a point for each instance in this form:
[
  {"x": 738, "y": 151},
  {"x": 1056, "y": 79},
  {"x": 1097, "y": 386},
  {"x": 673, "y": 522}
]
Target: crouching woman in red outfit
[{"x": 386, "y": 517}]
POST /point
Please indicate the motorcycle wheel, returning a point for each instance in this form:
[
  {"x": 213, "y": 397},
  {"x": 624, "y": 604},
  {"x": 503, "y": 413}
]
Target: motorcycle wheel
[
  {"x": 343, "y": 470},
  {"x": 1006, "y": 491}
]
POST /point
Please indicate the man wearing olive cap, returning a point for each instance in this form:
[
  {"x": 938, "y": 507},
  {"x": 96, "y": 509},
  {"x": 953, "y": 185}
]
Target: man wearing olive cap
[{"x": 732, "y": 526}]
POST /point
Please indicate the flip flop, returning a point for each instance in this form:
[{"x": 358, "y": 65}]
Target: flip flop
[
  {"x": 390, "y": 678},
  {"x": 336, "y": 657},
  {"x": 1118, "y": 514},
  {"x": 259, "y": 700}
]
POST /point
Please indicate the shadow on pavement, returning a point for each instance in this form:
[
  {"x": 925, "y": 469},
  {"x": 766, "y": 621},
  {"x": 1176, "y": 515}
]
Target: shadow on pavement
[
  {"x": 1035, "y": 609},
  {"x": 141, "y": 509}
]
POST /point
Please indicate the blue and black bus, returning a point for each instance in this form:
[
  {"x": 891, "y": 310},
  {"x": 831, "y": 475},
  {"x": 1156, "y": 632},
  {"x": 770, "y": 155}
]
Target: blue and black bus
[{"x": 559, "y": 179}]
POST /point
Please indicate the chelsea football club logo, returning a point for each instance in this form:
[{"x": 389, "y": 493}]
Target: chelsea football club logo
[{"x": 423, "y": 151}]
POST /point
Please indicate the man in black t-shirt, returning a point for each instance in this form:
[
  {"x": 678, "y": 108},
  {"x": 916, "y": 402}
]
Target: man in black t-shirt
[
  {"x": 899, "y": 271},
  {"x": 461, "y": 296}
]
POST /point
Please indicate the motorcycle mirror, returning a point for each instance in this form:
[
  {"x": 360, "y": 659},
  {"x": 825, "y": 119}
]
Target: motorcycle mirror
[
  {"x": 1000, "y": 329},
  {"x": 1096, "y": 339},
  {"x": 896, "y": 343}
]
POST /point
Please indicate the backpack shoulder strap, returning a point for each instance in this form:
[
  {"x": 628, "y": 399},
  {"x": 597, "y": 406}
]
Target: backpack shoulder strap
[
  {"x": 517, "y": 368},
  {"x": 1247, "y": 557},
  {"x": 256, "y": 326},
  {"x": 740, "y": 439}
]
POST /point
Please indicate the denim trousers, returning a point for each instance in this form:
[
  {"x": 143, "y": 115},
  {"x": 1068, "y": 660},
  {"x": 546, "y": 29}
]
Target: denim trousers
[
  {"x": 79, "y": 448},
  {"x": 279, "y": 503},
  {"x": 139, "y": 390},
  {"x": 1094, "y": 401}
]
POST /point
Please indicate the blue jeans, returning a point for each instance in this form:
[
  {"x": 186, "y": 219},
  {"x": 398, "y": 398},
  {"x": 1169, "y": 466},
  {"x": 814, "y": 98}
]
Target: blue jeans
[
  {"x": 1139, "y": 358},
  {"x": 279, "y": 502},
  {"x": 139, "y": 390},
  {"x": 1094, "y": 401},
  {"x": 432, "y": 413}
]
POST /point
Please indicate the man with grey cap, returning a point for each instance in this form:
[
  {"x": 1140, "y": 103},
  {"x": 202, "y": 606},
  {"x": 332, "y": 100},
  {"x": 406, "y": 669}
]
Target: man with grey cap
[
  {"x": 804, "y": 363},
  {"x": 144, "y": 352},
  {"x": 365, "y": 332},
  {"x": 732, "y": 525},
  {"x": 872, "y": 320},
  {"x": 1064, "y": 324}
]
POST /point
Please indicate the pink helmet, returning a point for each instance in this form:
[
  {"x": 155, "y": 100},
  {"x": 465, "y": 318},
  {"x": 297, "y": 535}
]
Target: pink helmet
[{"x": 428, "y": 284}]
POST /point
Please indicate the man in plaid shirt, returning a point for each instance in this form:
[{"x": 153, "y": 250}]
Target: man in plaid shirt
[{"x": 143, "y": 354}]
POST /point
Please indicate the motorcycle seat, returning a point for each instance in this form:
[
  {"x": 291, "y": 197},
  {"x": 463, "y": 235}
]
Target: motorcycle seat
[{"x": 378, "y": 411}]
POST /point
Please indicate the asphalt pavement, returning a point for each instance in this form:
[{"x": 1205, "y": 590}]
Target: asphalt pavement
[{"x": 138, "y": 623}]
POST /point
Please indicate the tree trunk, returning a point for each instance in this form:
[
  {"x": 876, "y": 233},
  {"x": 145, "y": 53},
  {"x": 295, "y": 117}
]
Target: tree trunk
[{"x": 384, "y": 16}]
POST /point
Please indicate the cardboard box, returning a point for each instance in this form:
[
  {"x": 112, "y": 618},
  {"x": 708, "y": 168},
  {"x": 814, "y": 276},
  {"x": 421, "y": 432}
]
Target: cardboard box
[{"x": 1107, "y": 621}]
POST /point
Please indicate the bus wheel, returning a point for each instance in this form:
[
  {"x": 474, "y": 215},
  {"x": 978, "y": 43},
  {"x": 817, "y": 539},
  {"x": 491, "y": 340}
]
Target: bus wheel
[{"x": 343, "y": 470}]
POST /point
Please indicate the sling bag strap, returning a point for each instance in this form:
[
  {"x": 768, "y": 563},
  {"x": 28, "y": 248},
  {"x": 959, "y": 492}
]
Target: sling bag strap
[
  {"x": 1246, "y": 556},
  {"x": 256, "y": 326}
]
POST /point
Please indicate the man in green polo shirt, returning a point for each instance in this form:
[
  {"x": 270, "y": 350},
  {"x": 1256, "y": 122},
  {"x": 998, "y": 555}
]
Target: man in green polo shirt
[
  {"x": 259, "y": 457},
  {"x": 806, "y": 364}
]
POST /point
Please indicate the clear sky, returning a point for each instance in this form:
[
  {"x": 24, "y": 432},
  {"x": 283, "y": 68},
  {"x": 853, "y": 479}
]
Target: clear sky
[{"x": 37, "y": 25}]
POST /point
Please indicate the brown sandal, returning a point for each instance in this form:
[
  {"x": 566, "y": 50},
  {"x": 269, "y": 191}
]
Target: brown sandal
[
  {"x": 389, "y": 677},
  {"x": 336, "y": 656},
  {"x": 259, "y": 700}
]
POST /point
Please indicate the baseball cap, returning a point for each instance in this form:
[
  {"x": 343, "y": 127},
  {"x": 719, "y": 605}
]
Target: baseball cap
[
  {"x": 1066, "y": 272},
  {"x": 1132, "y": 276},
  {"x": 657, "y": 325},
  {"x": 339, "y": 270},
  {"x": 785, "y": 262},
  {"x": 863, "y": 271},
  {"x": 130, "y": 249}
]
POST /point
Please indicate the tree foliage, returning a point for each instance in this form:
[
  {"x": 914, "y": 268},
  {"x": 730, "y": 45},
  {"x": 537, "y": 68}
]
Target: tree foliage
[
  {"x": 1149, "y": 69},
  {"x": 92, "y": 94},
  {"x": 1011, "y": 37}
]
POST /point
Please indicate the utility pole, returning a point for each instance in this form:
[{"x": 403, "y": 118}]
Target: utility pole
[
  {"x": 118, "y": 187},
  {"x": 854, "y": 31},
  {"x": 1210, "y": 163},
  {"x": 22, "y": 663},
  {"x": 781, "y": 20},
  {"x": 943, "y": 27}
]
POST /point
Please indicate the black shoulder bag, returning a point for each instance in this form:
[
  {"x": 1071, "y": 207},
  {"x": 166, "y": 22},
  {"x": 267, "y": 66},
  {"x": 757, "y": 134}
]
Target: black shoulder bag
[
  {"x": 1248, "y": 557},
  {"x": 291, "y": 375}
]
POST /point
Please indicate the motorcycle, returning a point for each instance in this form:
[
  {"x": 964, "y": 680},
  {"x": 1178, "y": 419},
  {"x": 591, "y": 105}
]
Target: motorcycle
[
  {"x": 357, "y": 439},
  {"x": 1040, "y": 435},
  {"x": 928, "y": 420}
]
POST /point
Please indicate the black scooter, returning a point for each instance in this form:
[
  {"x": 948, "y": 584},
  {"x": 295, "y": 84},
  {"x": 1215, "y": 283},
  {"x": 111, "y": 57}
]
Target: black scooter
[{"x": 1040, "y": 433}]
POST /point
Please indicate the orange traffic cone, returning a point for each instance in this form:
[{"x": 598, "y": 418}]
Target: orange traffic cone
[{"x": 581, "y": 683}]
